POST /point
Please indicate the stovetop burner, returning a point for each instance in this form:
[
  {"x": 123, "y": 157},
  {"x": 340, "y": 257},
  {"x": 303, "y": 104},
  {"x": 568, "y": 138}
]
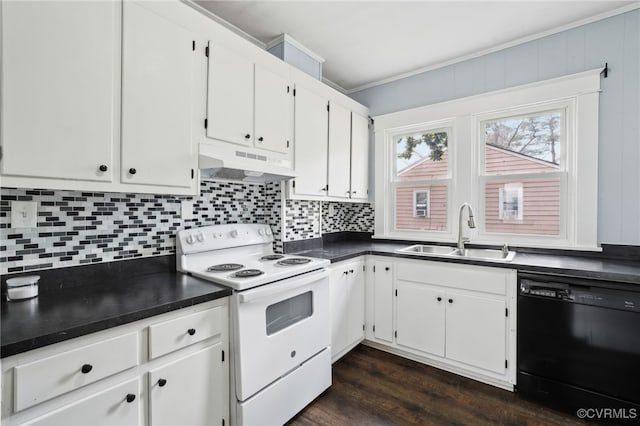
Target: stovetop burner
[
  {"x": 272, "y": 257},
  {"x": 225, "y": 267},
  {"x": 293, "y": 261},
  {"x": 246, "y": 273}
]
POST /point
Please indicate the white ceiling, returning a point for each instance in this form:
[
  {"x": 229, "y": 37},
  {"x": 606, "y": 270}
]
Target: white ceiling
[{"x": 368, "y": 42}]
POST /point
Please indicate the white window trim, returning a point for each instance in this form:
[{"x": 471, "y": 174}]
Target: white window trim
[{"x": 581, "y": 178}]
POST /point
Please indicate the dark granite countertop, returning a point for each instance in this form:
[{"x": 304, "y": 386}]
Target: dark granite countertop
[
  {"x": 581, "y": 266},
  {"x": 76, "y": 301}
]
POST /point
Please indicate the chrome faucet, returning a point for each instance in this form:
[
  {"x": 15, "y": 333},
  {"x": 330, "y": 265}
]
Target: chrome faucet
[{"x": 470, "y": 222}]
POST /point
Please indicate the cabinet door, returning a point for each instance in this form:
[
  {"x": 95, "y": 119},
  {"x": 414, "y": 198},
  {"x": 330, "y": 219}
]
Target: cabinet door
[
  {"x": 60, "y": 88},
  {"x": 190, "y": 391},
  {"x": 271, "y": 111},
  {"x": 420, "y": 317},
  {"x": 355, "y": 329},
  {"x": 359, "y": 156},
  {"x": 119, "y": 405},
  {"x": 339, "y": 170},
  {"x": 383, "y": 301},
  {"x": 158, "y": 100},
  {"x": 310, "y": 158},
  {"x": 230, "y": 97},
  {"x": 476, "y": 331},
  {"x": 338, "y": 302}
]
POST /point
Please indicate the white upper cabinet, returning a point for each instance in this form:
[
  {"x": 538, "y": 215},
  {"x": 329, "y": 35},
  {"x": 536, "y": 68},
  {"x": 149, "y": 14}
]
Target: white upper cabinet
[
  {"x": 339, "y": 173},
  {"x": 359, "y": 156},
  {"x": 248, "y": 104},
  {"x": 159, "y": 99},
  {"x": 60, "y": 89},
  {"x": 310, "y": 135},
  {"x": 337, "y": 167},
  {"x": 272, "y": 110},
  {"x": 230, "y": 100}
]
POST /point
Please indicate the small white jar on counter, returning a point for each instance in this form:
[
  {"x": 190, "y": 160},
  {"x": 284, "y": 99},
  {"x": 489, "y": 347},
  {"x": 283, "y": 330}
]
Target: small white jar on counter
[{"x": 22, "y": 287}]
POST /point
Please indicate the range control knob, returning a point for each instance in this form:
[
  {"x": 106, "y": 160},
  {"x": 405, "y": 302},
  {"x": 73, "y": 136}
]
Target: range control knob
[
  {"x": 218, "y": 235},
  {"x": 261, "y": 232},
  {"x": 200, "y": 237},
  {"x": 234, "y": 234},
  {"x": 268, "y": 231},
  {"x": 189, "y": 239}
]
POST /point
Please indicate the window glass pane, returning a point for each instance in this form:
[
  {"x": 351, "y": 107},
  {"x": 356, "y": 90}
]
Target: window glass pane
[
  {"x": 421, "y": 207},
  {"x": 422, "y": 156},
  {"x": 288, "y": 312},
  {"x": 523, "y": 207},
  {"x": 525, "y": 144}
]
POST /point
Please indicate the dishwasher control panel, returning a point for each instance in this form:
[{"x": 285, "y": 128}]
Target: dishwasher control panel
[{"x": 584, "y": 295}]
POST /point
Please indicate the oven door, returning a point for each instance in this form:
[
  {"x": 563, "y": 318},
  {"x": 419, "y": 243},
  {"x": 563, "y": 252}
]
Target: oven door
[{"x": 278, "y": 327}]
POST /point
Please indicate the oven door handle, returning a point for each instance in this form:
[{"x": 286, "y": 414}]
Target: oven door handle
[{"x": 283, "y": 286}]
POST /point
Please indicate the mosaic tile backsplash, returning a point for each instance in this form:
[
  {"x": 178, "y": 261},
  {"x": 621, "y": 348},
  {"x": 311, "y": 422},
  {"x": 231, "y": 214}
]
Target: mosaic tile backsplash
[
  {"x": 356, "y": 217},
  {"x": 302, "y": 220},
  {"x": 75, "y": 228}
]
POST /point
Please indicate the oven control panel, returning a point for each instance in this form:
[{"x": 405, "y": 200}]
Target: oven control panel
[{"x": 216, "y": 237}]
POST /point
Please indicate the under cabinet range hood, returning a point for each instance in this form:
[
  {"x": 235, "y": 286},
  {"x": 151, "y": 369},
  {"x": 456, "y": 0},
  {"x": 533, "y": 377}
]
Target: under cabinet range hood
[{"x": 239, "y": 163}]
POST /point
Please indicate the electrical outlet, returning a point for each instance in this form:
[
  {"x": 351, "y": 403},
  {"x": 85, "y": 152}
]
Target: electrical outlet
[
  {"x": 24, "y": 214},
  {"x": 186, "y": 210},
  {"x": 332, "y": 209}
]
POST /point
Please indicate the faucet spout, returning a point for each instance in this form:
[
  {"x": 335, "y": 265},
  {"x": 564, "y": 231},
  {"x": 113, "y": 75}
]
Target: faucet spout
[{"x": 470, "y": 222}]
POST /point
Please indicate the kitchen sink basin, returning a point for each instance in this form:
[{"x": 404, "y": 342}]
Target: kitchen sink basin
[
  {"x": 446, "y": 251},
  {"x": 426, "y": 249},
  {"x": 485, "y": 254}
]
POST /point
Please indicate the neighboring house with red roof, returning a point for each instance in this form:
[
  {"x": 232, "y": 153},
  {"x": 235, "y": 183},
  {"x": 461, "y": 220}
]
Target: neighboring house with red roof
[{"x": 528, "y": 206}]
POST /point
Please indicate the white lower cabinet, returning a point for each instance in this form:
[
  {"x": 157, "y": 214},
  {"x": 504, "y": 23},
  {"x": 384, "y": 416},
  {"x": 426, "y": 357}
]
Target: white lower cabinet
[
  {"x": 346, "y": 293},
  {"x": 457, "y": 317},
  {"x": 476, "y": 331},
  {"x": 382, "y": 298},
  {"x": 110, "y": 378},
  {"x": 119, "y": 405},
  {"x": 188, "y": 391},
  {"x": 420, "y": 318}
]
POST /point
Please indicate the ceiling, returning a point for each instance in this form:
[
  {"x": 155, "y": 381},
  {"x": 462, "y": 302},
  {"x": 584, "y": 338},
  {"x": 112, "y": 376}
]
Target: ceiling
[{"x": 368, "y": 42}]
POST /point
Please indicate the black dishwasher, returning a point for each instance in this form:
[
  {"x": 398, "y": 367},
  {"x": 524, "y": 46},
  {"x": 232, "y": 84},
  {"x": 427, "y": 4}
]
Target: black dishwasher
[{"x": 579, "y": 342}]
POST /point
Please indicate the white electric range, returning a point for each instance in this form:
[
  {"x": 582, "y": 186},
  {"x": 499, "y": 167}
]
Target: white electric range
[{"x": 279, "y": 315}]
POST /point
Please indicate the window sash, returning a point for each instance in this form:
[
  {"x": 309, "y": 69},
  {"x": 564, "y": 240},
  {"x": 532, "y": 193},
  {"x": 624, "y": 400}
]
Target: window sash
[
  {"x": 393, "y": 210},
  {"x": 518, "y": 238},
  {"x": 566, "y": 116}
]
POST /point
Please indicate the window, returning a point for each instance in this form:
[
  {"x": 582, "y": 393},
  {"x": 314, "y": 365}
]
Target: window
[
  {"x": 510, "y": 202},
  {"x": 526, "y": 147},
  {"x": 512, "y": 154},
  {"x": 421, "y": 204},
  {"x": 421, "y": 178}
]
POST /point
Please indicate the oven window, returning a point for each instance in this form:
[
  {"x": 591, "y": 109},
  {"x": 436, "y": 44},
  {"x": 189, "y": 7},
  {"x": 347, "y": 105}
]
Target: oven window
[{"x": 288, "y": 312}]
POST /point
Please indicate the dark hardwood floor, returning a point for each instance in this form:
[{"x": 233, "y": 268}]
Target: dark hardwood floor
[{"x": 372, "y": 387}]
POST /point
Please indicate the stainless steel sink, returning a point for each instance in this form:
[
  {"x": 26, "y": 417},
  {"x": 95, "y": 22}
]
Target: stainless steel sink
[
  {"x": 446, "y": 251},
  {"x": 427, "y": 249},
  {"x": 485, "y": 254}
]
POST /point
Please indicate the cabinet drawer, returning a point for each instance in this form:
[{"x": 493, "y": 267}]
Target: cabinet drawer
[
  {"x": 119, "y": 405},
  {"x": 178, "y": 333},
  {"x": 49, "y": 377},
  {"x": 466, "y": 277}
]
